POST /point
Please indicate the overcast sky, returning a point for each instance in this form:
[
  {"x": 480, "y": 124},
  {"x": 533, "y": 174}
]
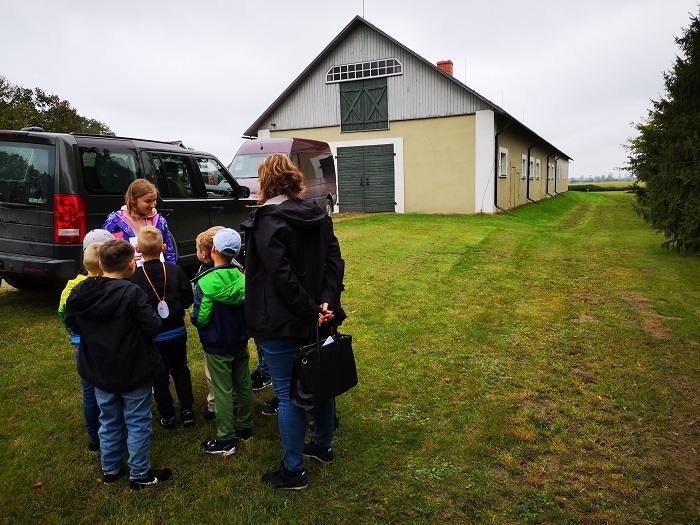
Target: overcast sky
[{"x": 577, "y": 73}]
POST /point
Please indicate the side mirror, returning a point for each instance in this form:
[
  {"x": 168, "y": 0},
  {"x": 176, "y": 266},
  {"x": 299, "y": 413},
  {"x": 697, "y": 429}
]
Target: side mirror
[{"x": 243, "y": 192}]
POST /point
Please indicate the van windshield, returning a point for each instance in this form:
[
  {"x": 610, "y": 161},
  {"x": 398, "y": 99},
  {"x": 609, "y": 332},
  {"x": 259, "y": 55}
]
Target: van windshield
[{"x": 26, "y": 173}]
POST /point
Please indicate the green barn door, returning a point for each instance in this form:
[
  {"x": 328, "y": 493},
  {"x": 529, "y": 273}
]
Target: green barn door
[{"x": 366, "y": 178}]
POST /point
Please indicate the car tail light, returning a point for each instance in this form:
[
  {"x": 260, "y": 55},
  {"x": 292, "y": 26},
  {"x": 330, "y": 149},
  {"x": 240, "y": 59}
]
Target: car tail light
[{"x": 69, "y": 219}]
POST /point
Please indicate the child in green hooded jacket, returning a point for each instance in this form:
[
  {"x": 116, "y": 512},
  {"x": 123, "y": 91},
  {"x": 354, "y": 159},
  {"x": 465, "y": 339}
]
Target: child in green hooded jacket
[{"x": 219, "y": 318}]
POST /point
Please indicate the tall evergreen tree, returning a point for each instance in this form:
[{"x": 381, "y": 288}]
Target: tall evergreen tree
[
  {"x": 21, "y": 107},
  {"x": 665, "y": 156}
]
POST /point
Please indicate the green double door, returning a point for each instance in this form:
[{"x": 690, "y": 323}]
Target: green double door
[{"x": 366, "y": 178}]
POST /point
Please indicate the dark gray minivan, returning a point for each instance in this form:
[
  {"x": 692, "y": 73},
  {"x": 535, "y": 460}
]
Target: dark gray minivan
[
  {"x": 313, "y": 158},
  {"x": 55, "y": 187}
]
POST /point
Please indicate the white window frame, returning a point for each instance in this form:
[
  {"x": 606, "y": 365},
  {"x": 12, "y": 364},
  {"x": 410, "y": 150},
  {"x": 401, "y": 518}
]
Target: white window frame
[
  {"x": 523, "y": 166},
  {"x": 381, "y": 67},
  {"x": 550, "y": 171},
  {"x": 538, "y": 169},
  {"x": 532, "y": 168},
  {"x": 503, "y": 163}
]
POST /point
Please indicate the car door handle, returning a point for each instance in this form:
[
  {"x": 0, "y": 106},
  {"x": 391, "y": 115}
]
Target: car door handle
[
  {"x": 165, "y": 211},
  {"x": 217, "y": 209}
]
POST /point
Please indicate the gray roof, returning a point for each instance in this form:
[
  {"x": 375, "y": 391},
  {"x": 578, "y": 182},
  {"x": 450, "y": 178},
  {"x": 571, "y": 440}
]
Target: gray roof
[{"x": 354, "y": 23}]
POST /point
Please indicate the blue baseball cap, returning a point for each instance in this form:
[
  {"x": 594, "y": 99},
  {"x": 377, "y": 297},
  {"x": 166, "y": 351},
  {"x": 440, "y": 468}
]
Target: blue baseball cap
[{"x": 227, "y": 242}]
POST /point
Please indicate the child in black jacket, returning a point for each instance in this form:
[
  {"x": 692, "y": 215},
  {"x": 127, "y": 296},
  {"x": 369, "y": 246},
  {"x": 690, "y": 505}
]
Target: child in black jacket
[
  {"x": 170, "y": 294},
  {"x": 117, "y": 356}
]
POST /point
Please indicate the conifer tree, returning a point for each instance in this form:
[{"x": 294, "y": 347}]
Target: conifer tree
[{"x": 665, "y": 156}]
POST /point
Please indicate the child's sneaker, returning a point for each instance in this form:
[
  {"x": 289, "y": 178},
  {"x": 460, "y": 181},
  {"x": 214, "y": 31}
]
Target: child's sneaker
[
  {"x": 286, "y": 479},
  {"x": 244, "y": 434},
  {"x": 153, "y": 477},
  {"x": 259, "y": 381},
  {"x": 209, "y": 415},
  {"x": 94, "y": 446},
  {"x": 271, "y": 406},
  {"x": 222, "y": 448},
  {"x": 324, "y": 455},
  {"x": 188, "y": 419},
  {"x": 110, "y": 478},
  {"x": 168, "y": 424}
]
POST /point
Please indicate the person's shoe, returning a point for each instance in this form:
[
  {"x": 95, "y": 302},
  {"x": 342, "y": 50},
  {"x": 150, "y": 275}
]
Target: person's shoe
[
  {"x": 209, "y": 415},
  {"x": 270, "y": 409},
  {"x": 286, "y": 479},
  {"x": 222, "y": 448},
  {"x": 244, "y": 434},
  {"x": 94, "y": 446},
  {"x": 259, "y": 381},
  {"x": 168, "y": 424},
  {"x": 110, "y": 478},
  {"x": 188, "y": 419},
  {"x": 336, "y": 424},
  {"x": 272, "y": 401},
  {"x": 153, "y": 477},
  {"x": 324, "y": 455}
]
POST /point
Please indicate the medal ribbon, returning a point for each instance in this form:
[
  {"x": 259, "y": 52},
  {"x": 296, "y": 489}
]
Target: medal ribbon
[{"x": 165, "y": 280}]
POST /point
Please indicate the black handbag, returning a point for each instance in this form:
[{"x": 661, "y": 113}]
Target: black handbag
[{"x": 323, "y": 371}]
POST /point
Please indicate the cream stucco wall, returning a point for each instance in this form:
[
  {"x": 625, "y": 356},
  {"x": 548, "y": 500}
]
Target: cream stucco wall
[{"x": 438, "y": 164}]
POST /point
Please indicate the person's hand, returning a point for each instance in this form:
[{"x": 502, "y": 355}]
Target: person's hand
[{"x": 325, "y": 314}]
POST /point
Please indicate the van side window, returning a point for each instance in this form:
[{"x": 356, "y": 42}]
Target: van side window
[
  {"x": 173, "y": 175},
  {"x": 106, "y": 171},
  {"x": 317, "y": 166}
]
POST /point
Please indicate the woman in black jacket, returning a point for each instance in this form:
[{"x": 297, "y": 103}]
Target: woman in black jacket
[{"x": 294, "y": 276}]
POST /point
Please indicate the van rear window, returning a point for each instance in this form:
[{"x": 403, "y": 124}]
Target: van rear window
[{"x": 26, "y": 173}]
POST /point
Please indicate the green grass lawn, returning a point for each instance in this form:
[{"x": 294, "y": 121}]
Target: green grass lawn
[{"x": 535, "y": 368}]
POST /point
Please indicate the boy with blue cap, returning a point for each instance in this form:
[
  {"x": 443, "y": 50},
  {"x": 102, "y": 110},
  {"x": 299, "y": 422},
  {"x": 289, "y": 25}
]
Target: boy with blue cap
[{"x": 218, "y": 315}]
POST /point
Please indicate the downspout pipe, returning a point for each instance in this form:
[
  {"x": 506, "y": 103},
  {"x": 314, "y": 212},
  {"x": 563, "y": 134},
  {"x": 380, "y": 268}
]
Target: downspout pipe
[
  {"x": 548, "y": 174},
  {"x": 528, "y": 172},
  {"x": 495, "y": 170}
]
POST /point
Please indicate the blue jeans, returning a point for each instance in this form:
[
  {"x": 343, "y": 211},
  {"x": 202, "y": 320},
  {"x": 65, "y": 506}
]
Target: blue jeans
[
  {"x": 279, "y": 354},
  {"x": 262, "y": 365},
  {"x": 125, "y": 424},
  {"x": 91, "y": 411}
]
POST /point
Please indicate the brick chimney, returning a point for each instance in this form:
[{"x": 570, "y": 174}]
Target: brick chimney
[{"x": 446, "y": 66}]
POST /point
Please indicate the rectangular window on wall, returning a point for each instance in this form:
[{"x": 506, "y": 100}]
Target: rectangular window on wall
[
  {"x": 538, "y": 168},
  {"x": 502, "y": 162},
  {"x": 523, "y": 167},
  {"x": 550, "y": 171},
  {"x": 532, "y": 168},
  {"x": 364, "y": 105}
]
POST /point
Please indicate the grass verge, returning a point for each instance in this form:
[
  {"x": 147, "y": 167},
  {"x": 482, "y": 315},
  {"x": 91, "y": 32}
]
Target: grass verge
[{"x": 535, "y": 368}]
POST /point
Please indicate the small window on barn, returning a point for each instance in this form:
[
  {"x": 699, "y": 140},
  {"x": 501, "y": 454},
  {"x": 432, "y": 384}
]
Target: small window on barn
[
  {"x": 550, "y": 171},
  {"x": 502, "y": 162},
  {"x": 523, "y": 167},
  {"x": 538, "y": 168},
  {"x": 532, "y": 168}
]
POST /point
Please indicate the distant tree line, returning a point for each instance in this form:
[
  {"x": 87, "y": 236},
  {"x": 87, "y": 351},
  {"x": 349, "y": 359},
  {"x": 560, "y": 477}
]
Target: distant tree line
[
  {"x": 603, "y": 178},
  {"x": 21, "y": 107}
]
